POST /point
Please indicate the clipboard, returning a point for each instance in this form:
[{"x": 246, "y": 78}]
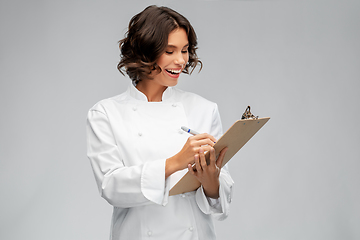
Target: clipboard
[{"x": 234, "y": 138}]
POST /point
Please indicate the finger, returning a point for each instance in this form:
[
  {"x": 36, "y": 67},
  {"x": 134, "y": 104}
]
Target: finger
[
  {"x": 221, "y": 157},
  {"x": 212, "y": 157},
  {"x": 197, "y": 163},
  {"x": 202, "y": 158},
  {"x": 204, "y": 136},
  {"x": 205, "y": 148},
  {"x": 201, "y": 142},
  {"x": 191, "y": 170}
]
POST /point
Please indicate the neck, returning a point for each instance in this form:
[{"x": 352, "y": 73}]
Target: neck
[{"x": 152, "y": 91}]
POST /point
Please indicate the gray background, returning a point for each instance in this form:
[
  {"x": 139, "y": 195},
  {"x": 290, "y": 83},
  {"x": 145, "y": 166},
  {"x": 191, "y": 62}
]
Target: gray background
[{"x": 295, "y": 61}]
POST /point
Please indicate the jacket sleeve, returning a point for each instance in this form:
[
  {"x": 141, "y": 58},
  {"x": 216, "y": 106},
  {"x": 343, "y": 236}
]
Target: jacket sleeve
[
  {"x": 217, "y": 207},
  {"x": 122, "y": 186}
]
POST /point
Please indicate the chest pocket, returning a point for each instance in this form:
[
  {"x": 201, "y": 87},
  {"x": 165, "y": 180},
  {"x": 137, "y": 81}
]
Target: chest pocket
[{"x": 159, "y": 133}]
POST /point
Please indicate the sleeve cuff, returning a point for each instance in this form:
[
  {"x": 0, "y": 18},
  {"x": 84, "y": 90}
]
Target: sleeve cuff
[
  {"x": 153, "y": 181},
  {"x": 217, "y": 207},
  {"x": 207, "y": 205}
]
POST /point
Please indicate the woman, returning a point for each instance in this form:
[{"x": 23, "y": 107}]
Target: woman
[{"x": 137, "y": 148}]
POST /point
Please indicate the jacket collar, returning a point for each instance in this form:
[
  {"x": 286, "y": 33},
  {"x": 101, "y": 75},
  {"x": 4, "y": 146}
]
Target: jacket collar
[{"x": 135, "y": 93}]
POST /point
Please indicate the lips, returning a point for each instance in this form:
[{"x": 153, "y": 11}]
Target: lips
[{"x": 174, "y": 73}]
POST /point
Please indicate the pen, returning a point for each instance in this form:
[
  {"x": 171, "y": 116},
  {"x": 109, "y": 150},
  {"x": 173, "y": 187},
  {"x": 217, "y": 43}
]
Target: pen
[{"x": 188, "y": 130}]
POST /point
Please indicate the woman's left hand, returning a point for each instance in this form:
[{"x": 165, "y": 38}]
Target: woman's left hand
[{"x": 208, "y": 175}]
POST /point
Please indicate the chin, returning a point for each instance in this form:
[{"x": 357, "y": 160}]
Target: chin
[{"x": 172, "y": 83}]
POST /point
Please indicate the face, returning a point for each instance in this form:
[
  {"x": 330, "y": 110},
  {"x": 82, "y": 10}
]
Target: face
[{"x": 174, "y": 59}]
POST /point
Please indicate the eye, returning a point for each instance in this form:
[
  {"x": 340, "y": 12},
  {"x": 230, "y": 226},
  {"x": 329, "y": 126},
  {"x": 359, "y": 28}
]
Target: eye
[
  {"x": 168, "y": 52},
  {"x": 184, "y": 51}
]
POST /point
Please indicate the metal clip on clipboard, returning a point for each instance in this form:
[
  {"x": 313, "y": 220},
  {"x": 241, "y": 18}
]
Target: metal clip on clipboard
[{"x": 248, "y": 115}]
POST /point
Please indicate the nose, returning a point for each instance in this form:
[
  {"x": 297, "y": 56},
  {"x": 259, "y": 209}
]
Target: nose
[{"x": 180, "y": 60}]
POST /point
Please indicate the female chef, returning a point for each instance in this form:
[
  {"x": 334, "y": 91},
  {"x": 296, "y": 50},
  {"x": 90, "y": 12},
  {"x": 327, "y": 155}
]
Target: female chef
[{"x": 136, "y": 145}]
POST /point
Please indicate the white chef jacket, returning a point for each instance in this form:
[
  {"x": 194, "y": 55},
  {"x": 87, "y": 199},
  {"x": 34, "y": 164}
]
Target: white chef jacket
[{"x": 129, "y": 140}]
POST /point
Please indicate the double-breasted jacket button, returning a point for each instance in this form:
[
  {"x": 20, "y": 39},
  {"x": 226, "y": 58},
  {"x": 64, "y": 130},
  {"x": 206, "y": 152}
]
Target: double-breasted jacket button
[
  {"x": 149, "y": 233},
  {"x": 140, "y": 134}
]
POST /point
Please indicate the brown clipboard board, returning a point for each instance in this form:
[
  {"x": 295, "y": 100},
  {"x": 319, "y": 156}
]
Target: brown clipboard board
[{"x": 234, "y": 138}]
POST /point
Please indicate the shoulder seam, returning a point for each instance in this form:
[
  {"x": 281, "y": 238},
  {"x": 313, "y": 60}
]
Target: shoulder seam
[{"x": 95, "y": 110}]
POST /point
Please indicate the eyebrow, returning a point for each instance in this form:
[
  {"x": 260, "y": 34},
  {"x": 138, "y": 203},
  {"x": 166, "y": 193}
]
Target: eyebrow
[{"x": 173, "y": 46}]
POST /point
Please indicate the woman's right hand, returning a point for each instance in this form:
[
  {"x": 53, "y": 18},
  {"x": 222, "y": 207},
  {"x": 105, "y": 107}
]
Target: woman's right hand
[{"x": 186, "y": 155}]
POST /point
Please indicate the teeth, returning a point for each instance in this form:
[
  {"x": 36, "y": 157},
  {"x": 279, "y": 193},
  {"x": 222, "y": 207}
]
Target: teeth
[{"x": 174, "y": 71}]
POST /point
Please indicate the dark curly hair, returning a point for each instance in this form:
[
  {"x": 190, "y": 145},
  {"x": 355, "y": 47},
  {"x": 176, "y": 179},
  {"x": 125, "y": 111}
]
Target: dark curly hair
[{"x": 147, "y": 38}]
